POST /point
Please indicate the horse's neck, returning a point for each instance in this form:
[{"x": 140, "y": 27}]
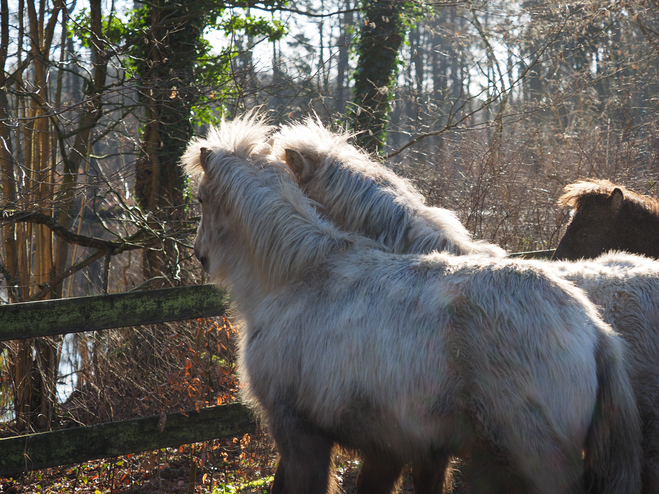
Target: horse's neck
[
  {"x": 639, "y": 232},
  {"x": 247, "y": 285},
  {"x": 374, "y": 216}
]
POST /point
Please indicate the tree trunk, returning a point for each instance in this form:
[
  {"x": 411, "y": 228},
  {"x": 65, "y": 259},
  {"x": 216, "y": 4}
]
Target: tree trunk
[
  {"x": 168, "y": 54},
  {"x": 382, "y": 34},
  {"x": 342, "y": 64}
]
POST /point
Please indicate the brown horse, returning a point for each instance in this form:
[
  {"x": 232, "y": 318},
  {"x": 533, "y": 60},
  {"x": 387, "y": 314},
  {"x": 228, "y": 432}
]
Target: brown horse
[{"x": 608, "y": 217}]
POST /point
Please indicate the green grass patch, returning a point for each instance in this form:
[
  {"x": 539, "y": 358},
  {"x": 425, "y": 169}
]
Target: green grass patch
[{"x": 259, "y": 485}]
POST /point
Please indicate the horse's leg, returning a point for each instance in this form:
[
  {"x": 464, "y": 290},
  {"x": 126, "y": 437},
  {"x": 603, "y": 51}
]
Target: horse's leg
[
  {"x": 650, "y": 476},
  {"x": 305, "y": 457},
  {"x": 483, "y": 473},
  {"x": 556, "y": 468},
  {"x": 429, "y": 478},
  {"x": 650, "y": 472},
  {"x": 277, "y": 486},
  {"x": 377, "y": 475},
  {"x": 542, "y": 464},
  {"x": 521, "y": 453}
]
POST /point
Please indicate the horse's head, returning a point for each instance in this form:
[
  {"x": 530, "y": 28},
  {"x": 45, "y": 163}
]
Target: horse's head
[
  {"x": 216, "y": 239},
  {"x": 256, "y": 223},
  {"x": 593, "y": 229},
  {"x": 230, "y": 154},
  {"x": 314, "y": 152},
  {"x": 306, "y": 146}
]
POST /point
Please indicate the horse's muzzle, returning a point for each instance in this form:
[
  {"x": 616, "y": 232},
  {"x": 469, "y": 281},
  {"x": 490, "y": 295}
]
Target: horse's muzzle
[{"x": 203, "y": 260}]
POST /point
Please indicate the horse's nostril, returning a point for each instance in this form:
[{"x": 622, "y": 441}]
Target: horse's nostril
[
  {"x": 202, "y": 259},
  {"x": 204, "y": 262}
]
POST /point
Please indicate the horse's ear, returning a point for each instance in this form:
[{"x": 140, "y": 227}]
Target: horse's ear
[
  {"x": 616, "y": 199},
  {"x": 299, "y": 165},
  {"x": 203, "y": 156}
]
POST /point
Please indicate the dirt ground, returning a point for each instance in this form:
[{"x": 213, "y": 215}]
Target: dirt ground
[{"x": 224, "y": 466}]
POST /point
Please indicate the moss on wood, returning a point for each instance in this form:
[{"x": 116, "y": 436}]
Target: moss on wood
[
  {"x": 80, "y": 444},
  {"x": 50, "y": 317}
]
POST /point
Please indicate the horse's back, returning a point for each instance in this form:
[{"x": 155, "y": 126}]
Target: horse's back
[{"x": 462, "y": 347}]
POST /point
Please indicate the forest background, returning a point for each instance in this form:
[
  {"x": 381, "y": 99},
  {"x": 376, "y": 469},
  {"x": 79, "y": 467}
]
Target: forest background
[{"x": 490, "y": 108}]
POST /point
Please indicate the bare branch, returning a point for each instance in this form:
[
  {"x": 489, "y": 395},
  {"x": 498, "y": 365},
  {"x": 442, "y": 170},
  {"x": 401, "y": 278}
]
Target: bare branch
[{"x": 73, "y": 238}]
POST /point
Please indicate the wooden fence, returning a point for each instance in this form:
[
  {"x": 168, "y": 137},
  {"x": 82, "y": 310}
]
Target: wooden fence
[
  {"x": 535, "y": 254},
  {"x": 80, "y": 444}
]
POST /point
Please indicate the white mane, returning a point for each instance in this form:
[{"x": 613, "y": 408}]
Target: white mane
[
  {"x": 361, "y": 195},
  {"x": 245, "y": 138},
  {"x": 281, "y": 227}
]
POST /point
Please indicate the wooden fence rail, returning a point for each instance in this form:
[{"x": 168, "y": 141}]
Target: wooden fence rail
[
  {"x": 80, "y": 444},
  {"x": 73, "y": 315},
  {"x": 535, "y": 254}
]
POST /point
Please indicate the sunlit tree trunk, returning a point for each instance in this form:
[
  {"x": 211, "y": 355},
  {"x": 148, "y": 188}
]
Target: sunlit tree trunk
[
  {"x": 35, "y": 366},
  {"x": 88, "y": 120},
  {"x": 167, "y": 54},
  {"x": 342, "y": 64},
  {"x": 7, "y": 163},
  {"x": 38, "y": 177}
]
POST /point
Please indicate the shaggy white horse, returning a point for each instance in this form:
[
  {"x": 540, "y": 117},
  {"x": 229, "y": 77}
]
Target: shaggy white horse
[
  {"x": 626, "y": 287},
  {"x": 361, "y": 195},
  {"x": 406, "y": 357}
]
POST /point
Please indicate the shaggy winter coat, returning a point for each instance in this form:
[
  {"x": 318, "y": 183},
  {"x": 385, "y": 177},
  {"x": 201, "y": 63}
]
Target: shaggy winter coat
[{"x": 360, "y": 195}]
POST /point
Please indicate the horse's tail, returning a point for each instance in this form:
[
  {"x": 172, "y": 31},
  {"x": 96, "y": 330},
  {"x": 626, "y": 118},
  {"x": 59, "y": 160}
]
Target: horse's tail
[{"x": 613, "y": 445}]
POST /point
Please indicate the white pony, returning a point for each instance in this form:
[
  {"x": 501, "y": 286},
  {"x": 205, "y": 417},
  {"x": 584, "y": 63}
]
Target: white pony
[
  {"x": 626, "y": 287},
  {"x": 342, "y": 179},
  {"x": 406, "y": 357}
]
